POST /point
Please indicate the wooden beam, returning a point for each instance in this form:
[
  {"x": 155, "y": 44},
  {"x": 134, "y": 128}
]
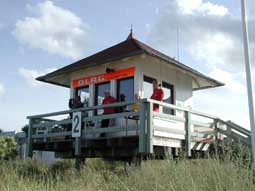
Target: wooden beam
[
  {"x": 111, "y": 116},
  {"x": 29, "y": 146},
  {"x": 169, "y": 130},
  {"x": 149, "y": 128},
  {"x": 168, "y": 116},
  {"x": 51, "y": 134},
  {"x": 188, "y": 133},
  {"x": 142, "y": 141},
  {"x": 114, "y": 129},
  {"x": 119, "y": 104}
]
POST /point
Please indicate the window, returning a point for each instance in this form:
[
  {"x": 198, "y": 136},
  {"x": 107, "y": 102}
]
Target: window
[
  {"x": 84, "y": 94},
  {"x": 99, "y": 94},
  {"x": 125, "y": 90},
  {"x": 168, "y": 96},
  {"x": 168, "y": 92},
  {"x": 147, "y": 86}
]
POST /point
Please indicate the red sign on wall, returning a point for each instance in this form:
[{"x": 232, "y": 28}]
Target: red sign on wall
[{"x": 123, "y": 73}]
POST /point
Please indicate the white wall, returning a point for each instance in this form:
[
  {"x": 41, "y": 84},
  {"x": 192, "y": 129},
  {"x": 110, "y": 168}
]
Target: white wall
[
  {"x": 152, "y": 67},
  {"x": 162, "y": 71},
  {"x": 149, "y": 66}
]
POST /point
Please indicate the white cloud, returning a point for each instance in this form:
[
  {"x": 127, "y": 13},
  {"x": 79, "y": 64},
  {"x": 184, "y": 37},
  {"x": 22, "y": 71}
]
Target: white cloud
[
  {"x": 2, "y": 89},
  {"x": 234, "y": 81},
  {"x": 53, "y": 29},
  {"x": 198, "y": 6},
  {"x": 31, "y": 75},
  {"x": 208, "y": 32},
  {"x": 211, "y": 38},
  {"x": 212, "y": 47},
  {"x": 224, "y": 105}
]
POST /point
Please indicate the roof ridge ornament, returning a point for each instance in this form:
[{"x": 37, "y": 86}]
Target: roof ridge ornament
[{"x": 131, "y": 34}]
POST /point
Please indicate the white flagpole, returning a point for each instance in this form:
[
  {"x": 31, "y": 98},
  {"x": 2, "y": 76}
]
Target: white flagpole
[{"x": 248, "y": 76}]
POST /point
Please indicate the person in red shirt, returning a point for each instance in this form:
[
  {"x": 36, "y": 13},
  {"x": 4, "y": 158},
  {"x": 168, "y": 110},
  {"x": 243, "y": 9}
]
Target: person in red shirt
[
  {"x": 108, "y": 99},
  {"x": 158, "y": 94}
]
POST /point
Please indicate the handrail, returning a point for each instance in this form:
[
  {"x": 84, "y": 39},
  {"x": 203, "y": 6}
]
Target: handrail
[
  {"x": 171, "y": 106},
  {"x": 146, "y": 119},
  {"x": 119, "y": 104},
  {"x": 167, "y": 105},
  {"x": 234, "y": 127}
]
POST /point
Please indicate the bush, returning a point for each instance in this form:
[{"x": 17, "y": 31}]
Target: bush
[{"x": 8, "y": 148}]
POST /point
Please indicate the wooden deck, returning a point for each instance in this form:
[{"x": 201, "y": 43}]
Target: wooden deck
[{"x": 134, "y": 134}]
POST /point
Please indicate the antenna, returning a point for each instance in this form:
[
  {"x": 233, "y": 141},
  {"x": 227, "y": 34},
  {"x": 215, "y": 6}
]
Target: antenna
[
  {"x": 178, "y": 44},
  {"x": 131, "y": 28}
]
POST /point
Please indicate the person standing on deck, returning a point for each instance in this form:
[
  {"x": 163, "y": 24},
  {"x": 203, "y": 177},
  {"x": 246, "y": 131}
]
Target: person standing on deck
[
  {"x": 75, "y": 103},
  {"x": 158, "y": 94},
  {"x": 108, "y": 99}
]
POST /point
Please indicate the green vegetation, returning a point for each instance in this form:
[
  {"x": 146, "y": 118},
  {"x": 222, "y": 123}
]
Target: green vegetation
[
  {"x": 8, "y": 148},
  {"x": 180, "y": 175}
]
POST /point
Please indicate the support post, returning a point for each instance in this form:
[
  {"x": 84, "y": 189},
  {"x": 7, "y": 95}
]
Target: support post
[
  {"x": 77, "y": 152},
  {"x": 188, "y": 133},
  {"x": 29, "y": 149},
  {"x": 216, "y": 136},
  {"x": 248, "y": 77},
  {"x": 142, "y": 140},
  {"x": 149, "y": 128},
  {"x": 229, "y": 139}
]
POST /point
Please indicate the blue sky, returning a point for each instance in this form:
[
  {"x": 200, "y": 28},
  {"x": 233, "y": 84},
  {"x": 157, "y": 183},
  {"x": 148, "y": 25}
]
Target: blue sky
[{"x": 39, "y": 36}]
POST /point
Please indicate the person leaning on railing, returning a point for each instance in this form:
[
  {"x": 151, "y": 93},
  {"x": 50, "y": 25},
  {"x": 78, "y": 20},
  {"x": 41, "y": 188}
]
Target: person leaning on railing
[
  {"x": 75, "y": 103},
  {"x": 158, "y": 94},
  {"x": 108, "y": 99}
]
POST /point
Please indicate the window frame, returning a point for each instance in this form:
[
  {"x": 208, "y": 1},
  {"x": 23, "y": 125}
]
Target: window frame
[
  {"x": 118, "y": 87},
  {"x": 77, "y": 89},
  {"x": 95, "y": 101},
  {"x": 148, "y": 79},
  {"x": 171, "y": 88}
]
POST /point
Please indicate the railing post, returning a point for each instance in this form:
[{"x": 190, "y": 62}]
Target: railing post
[
  {"x": 142, "y": 140},
  {"x": 29, "y": 149},
  {"x": 77, "y": 147},
  {"x": 216, "y": 135},
  {"x": 149, "y": 128},
  {"x": 229, "y": 131},
  {"x": 188, "y": 133},
  {"x": 77, "y": 152}
]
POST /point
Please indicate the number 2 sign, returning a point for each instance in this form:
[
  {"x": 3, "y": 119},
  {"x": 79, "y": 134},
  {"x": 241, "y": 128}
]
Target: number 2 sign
[{"x": 76, "y": 124}]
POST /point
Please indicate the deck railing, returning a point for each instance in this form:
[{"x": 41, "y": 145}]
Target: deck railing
[{"x": 199, "y": 129}]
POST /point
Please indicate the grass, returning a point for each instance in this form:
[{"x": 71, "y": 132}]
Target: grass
[{"x": 190, "y": 175}]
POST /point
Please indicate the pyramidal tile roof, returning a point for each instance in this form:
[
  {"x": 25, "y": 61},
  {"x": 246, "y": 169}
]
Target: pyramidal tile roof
[{"x": 130, "y": 47}]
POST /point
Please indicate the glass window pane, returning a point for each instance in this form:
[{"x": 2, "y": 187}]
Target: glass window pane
[
  {"x": 84, "y": 94},
  {"x": 168, "y": 97},
  {"x": 125, "y": 90},
  {"x": 99, "y": 94},
  {"x": 147, "y": 86},
  {"x": 147, "y": 89}
]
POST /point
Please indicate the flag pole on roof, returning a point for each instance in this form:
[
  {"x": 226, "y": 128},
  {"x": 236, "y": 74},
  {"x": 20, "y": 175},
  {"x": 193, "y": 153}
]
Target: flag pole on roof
[
  {"x": 131, "y": 34},
  {"x": 248, "y": 77}
]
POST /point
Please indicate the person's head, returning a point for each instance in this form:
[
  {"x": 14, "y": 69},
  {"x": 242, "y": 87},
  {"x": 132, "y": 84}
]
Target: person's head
[
  {"x": 107, "y": 93},
  {"x": 137, "y": 97},
  {"x": 155, "y": 84},
  {"x": 122, "y": 97}
]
